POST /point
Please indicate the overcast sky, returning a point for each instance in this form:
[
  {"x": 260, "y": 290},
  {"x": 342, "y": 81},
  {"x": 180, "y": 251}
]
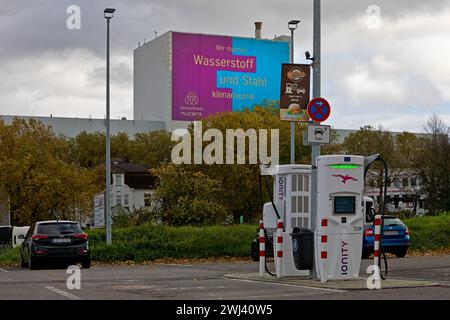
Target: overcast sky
[{"x": 394, "y": 75}]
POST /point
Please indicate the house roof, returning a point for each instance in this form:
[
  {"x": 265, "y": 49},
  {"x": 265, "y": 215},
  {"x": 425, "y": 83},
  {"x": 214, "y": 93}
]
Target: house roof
[
  {"x": 136, "y": 176},
  {"x": 130, "y": 168}
]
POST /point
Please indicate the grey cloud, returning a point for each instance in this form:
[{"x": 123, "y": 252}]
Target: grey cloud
[{"x": 36, "y": 46}]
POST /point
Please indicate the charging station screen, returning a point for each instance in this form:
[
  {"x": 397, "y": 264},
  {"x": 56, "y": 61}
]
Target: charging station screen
[{"x": 344, "y": 205}]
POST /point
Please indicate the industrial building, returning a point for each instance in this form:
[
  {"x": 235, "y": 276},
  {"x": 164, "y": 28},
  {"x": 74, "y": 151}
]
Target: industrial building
[{"x": 181, "y": 77}]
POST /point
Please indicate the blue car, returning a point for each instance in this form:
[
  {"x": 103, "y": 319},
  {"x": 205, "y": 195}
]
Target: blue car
[{"x": 395, "y": 238}]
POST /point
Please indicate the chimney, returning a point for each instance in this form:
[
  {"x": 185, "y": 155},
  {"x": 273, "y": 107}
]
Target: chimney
[{"x": 258, "y": 26}]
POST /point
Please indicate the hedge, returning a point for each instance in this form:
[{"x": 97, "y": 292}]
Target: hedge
[{"x": 150, "y": 242}]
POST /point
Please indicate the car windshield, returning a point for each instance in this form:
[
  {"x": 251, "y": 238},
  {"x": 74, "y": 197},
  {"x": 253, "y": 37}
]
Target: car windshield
[
  {"x": 58, "y": 228},
  {"x": 392, "y": 222}
]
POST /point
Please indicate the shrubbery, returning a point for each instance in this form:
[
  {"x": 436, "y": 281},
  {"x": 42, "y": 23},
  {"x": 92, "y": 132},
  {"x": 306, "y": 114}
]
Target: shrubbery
[
  {"x": 429, "y": 233},
  {"x": 149, "y": 242}
]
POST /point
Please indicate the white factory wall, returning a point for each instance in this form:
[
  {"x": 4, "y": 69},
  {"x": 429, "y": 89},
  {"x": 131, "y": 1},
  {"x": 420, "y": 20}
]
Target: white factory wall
[
  {"x": 153, "y": 80},
  {"x": 71, "y": 127}
]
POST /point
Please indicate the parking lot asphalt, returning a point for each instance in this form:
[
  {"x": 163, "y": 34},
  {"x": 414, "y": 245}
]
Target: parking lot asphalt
[{"x": 208, "y": 281}]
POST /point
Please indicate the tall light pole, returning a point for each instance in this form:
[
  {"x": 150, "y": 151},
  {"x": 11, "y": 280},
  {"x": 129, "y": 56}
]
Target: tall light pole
[
  {"x": 315, "y": 148},
  {"x": 108, "y": 14},
  {"x": 292, "y": 25}
]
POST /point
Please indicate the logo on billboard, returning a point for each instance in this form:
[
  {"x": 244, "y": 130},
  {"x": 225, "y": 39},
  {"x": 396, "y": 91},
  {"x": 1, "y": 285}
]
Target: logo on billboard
[
  {"x": 344, "y": 178},
  {"x": 191, "y": 98},
  {"x": 296, "y": 74}
]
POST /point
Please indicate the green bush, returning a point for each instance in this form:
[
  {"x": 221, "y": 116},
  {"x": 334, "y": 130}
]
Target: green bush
[
  {"x": 149, "y": 242},
  {"x": 429, "y": 232},
  {"x": 9, "y": 256}
]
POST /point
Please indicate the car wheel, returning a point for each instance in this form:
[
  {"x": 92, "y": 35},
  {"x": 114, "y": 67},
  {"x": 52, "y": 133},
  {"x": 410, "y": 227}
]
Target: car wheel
[
  {"x": 86, "y": 264},
  {"x": 366, "y": 254},
  {"x": 400, "y": 253},
  {"x": 255, "y": 251}
]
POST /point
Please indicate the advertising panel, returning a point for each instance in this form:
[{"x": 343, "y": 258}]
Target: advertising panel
[
  {"x": 294, "y": 97},
  {"x": 219, "y": 73},
  {"x": 99, "y": 210}
]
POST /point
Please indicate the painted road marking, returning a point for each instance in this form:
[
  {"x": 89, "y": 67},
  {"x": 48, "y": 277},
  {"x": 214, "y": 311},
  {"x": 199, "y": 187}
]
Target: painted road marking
[
  {"x": 63, "y": 293},
  {"x": 291, "y": 285},
  {"x": 3, "y": 270}
]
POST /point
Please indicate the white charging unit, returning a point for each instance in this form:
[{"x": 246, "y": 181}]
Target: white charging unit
[
  {"x": 340, "y": 217},
  {"x": 292, "y": 199}
]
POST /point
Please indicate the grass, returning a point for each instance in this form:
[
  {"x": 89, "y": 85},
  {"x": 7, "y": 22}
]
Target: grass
[
  {"x": 9, "y": 257},
  {"x": 429, "y": 233}
]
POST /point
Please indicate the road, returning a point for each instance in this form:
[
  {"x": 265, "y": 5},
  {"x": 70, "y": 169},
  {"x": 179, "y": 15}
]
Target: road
[{"x": 207, "y": 281}]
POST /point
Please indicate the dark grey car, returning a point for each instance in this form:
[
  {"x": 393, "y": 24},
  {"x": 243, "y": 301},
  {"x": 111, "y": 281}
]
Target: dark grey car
[{"x": 55, "y": 241}]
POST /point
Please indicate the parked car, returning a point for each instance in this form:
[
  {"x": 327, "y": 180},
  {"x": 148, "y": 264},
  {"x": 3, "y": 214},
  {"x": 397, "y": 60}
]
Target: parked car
[
  {"x": 5, "y": 236},
  {"x": 395, "y": 238},
  {"x": 55, "y": 241}
]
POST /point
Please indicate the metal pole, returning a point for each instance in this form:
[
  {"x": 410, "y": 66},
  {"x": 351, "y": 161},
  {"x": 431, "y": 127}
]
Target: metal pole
[
  {"x": 108, "y": 147},
  {"x": 292, "y": 122},
  {"x": 315, "y": 150}
]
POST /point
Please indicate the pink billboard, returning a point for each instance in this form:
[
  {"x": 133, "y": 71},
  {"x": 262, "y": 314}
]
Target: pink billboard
[{"x": 218, "y": 73}]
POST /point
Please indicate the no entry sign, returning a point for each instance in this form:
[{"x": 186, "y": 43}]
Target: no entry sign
[{"x": 319, "y": 109}]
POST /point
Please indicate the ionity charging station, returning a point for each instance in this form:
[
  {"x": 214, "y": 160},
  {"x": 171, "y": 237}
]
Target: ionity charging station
[
  {"x": 290, "y": 205},
  {"x": 333, "y": 246},
  {"x": 340, "y": 216}
]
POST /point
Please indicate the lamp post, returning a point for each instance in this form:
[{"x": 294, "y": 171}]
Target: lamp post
[
  {"x": 315, "y": 148},
  {"x": 108, "y": 14},
  {"x": 292, "y": 25}
]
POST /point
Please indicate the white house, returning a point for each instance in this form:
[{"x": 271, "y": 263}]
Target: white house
[
  {"x": 132, "y": 188},
  {"x": 403, "y": 193}
]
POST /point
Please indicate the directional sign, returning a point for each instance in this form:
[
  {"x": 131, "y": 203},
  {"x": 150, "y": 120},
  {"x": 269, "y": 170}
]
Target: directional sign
[
  {"x": 319, "y": 109},
  {"x": 318, "y": 134}
]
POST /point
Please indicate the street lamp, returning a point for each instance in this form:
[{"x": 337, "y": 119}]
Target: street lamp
[
  {"x": 292, "y": 25},
  {"x": 108, "y": 14}
]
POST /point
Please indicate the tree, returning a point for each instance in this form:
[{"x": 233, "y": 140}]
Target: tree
[
  {"x": 368, "y": 141},
  {"x": 121, "y": 146},
  {"x": 36, "y": 173},
  {"x": 88, "y": 149},
  {"x": 432, "y": 160},
  {"x": 151, "y": 148},
  {"x": 238, "y": 183},
  {"x": 187, "y": 197}
]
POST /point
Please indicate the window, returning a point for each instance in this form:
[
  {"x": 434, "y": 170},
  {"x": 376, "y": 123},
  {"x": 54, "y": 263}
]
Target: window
[
  {"x": 58, "y": 228},
  {"x": 405, "y": 182},
  {"x": 147, "y": 199},
  {"x": 118, "y": 179},
  {"x": 126, "y": 199},
  {"x": 414, "y": 182},
  {"x": 118, "y": 199}
]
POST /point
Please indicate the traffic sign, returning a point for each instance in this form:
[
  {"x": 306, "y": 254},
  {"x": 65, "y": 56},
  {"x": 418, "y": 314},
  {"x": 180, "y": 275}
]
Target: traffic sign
[
  {"x": 319, "y": 109},
  {"x": 318, "y": 134}
]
